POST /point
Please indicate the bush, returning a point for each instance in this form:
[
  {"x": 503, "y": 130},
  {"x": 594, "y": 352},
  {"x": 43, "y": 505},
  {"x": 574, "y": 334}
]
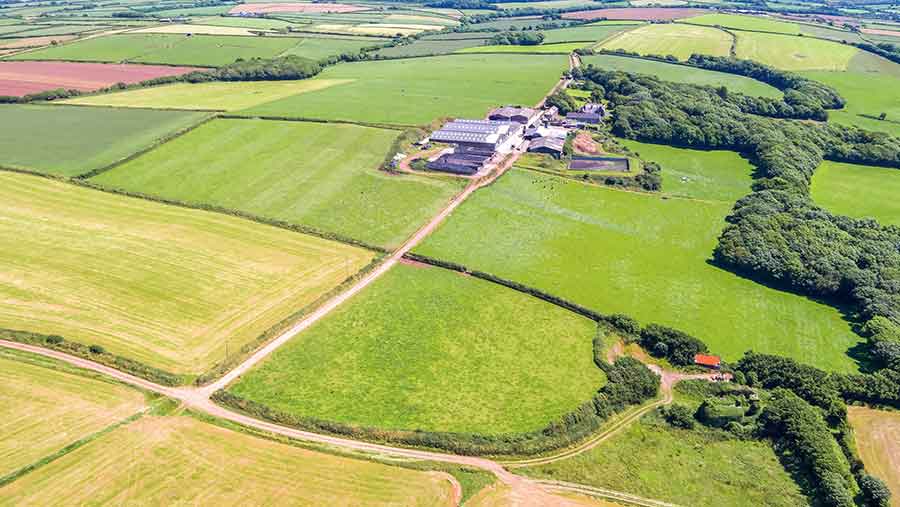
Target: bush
[
  {"x": 97, "y": 349},
  {"x": 679, "y": 416},
  {"x": 54, "y": 339},
  {"x": 518, "y": 38},
  {"x": 874, "y": 490}
]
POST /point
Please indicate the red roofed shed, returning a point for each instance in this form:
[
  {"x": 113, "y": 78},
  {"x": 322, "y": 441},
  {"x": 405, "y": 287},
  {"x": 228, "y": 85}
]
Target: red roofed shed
[{"x": 708, "y": 361}]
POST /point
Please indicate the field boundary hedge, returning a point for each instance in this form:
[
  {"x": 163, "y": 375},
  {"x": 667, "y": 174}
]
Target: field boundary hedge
[
  {"x": 385, "y": 126},
  {"x": 56, "y": 342},
  {"x": 274, "y": 331}
]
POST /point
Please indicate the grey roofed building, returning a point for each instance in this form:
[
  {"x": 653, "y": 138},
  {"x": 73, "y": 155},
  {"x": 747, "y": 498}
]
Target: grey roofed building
[
  {"x": 523, "y": 115},
  {"x": 485, "y": 134},
  {"x": 551, "y": 145},
  {"x": 591, "y": 118}
]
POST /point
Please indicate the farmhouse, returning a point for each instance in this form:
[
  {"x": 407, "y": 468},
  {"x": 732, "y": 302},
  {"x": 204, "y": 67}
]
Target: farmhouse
[
  {"x": 714, "y": 362},
  {"x": 523, "y": 115},
  {"x": 589, "y": 114}
]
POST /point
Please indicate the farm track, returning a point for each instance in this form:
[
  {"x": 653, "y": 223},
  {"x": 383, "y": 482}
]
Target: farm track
[{"x": 525, "y": 491}]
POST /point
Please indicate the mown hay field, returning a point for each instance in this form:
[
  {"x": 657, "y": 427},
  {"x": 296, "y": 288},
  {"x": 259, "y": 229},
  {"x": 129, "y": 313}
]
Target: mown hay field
[
  {"x": 787, "y": 52},
  {"x": 174, "y": 49},
  {"x": 315, "y": 174},
  {"x": 868, "y": 95},
  {"x": 709, "y": 175},
  {"x": 585, "y": 33},
  {"x": 672, "y": 39},
  {"x": 427, "y": 348},
  {"x": 45, "y": 406},
  {"x": 683, "y": 74},
  {"x": 877, "y": 435},
  {"x": 69, "y": 141},
  {"x": 753, "y": 23},
  {"x": 170, "y": 287},
  {"x": 686, "y": 467},
  {"x": 179, "y": 460},
  {"x": 858, "y": 191},
  {"x": 419, "y": 90},
  {"x": 638, "y": 254},
  {"x": 216, "y": 95}
]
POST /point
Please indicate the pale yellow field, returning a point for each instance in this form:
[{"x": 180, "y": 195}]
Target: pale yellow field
[
  {"x": 178, "y": 460},
  {"x": 43, "y": 410},
  {"x": 500, "y": 495},
  {"x": 219, "y": 96},
  {"x": 672, "y": 39},
  {"x": 788, "y": 52},
  {"x": 376, "y": 29},
  {"x": 878, "y": 442},
  {"x": 201, "y": 29},
  {"x": 160, "y": 284}
]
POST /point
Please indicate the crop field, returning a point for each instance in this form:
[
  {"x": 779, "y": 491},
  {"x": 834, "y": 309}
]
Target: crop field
[
  {"x": 261, "y": 7},
  {"x": 638, "y": 254},
  {"x": 29, "y": 42},
  {"x": 318, "y": 48},
  {"x": 22, "y": 78},
  {"x": 170, "y": 287},
  {"x": 683, "y": 74},
  {"x": 585, "y": 33},
  {"x": 69, "y": 141},
  {"x": 687, "y": 467},
  {"x": 752, "y": 23},
  {"x": 672, "y": 39},
  {"x": 430, "y": 47},
  {"x": 178, "y": 460},
  {"x": 858, "y": 191},
  {"x": 877, "y": 435},
  {"x": 830, "y": 33},
  {"x": 636, "y": 13},
  {"x": 323, "y": 175},
  {"x": 547, "y": 4},
  {"x": 248, "y": 23},
  {"x": 868, "y": 95},
  {"x": 427, "y": 348},
  {"x": 708, "y": 175},
  {"x": 793, "y": 53},
  {"x": 559, "y": 48},
  {"x": 420, "y": 90},
  {"x": 200, "y": 30},
  {"x": 45, "y": 406},
  {"x": 501, "y": 495},
  {"x": 216, "y": 95},
  {"x": 170, "y": 49}
]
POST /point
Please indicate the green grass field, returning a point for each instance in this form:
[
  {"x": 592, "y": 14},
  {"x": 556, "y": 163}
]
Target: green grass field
[
  {"x": 45, "y": 406},
  {"x": 420, "y": 90},
  {"x": 866, "y": 94},
  {"x": 638, "y": 254},
  {"x": 560, "y": 48},
  {"x": 672, "y": 39},
  {"x": 216, "y": 95},
  {"x": 172, "y": 49},
  {"x": 683, "y": 74},
  {"x": 429, "y": 47},
  {"x": 69, "y": 141},
  {"x": 689, "y": 467},
  {"x": 178, "y": 460},
  {"x": 427, "y": 348},
  {"x": 322, "y": 175},
  {"x": 793, "y": 53},
  {"x": 163, "y": 285},
  {"x": 584, "y": 33},
  {"x": 753, "y": 23},
  {"x": 708, "y": 175},
  {"x": 858, "y": 191}
]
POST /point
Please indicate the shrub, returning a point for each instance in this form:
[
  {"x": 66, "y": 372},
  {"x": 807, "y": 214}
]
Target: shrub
[
  {"x": 679, "y": 416},
  {"x": 97, "y": 349},
  {"x": 54, "y": 339},
  {"x": 874, "y": 490}
]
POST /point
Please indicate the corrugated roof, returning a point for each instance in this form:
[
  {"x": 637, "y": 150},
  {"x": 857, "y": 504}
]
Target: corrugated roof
[
  {"x": 705, "y": 360},
  {"x": 464, "y": 137}
]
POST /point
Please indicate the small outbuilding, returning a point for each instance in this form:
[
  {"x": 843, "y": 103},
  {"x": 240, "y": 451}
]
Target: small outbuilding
[
  {"x": 707, "y": 361},
  {"x": 522, "y": 115},
  {"x": 549, "y": 145}
]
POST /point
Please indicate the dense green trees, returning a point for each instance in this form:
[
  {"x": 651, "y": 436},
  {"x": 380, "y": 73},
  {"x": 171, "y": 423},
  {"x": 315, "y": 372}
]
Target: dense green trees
[
  {"x": 517, "y": 38},
  {"x": 678, "y": 347}
]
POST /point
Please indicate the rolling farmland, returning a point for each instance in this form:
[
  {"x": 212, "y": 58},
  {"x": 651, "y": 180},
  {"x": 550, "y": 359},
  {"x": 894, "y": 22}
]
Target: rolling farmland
[
  {"x": 424, "y": 339},
  {"x": 866, "y": 99},
  {"x": 683, "y": 74},
  {"x": 637, "y": 254},
  {"x": 180, "y": 460},
  {"x": 430, "y": 88},
  {"x": 793, "y": 53},
  {"x": 69, "y": 141},
  {"x": 23, "y": 78},
  {"x": 321, "y": 175},
  {"x": 751, "y": 23},
  {"x": 858, "y": 191},
  {"x": 672, "y": 39},
  {"x": 170, "y": 287},
  {"x": 47, "y": 406}
]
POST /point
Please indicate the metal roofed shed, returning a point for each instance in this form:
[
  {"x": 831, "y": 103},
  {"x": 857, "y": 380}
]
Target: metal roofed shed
[
  {"x": 550, "y": 145},
  {"x": 523, "y": 115}
]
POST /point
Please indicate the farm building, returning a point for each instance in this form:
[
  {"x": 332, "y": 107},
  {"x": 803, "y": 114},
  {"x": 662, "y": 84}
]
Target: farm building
[
  {"x": 524, "y": 115},
  {"x": 483, "y": 134},
  {"x": 714, "y": 362},
  {"x": 589, "y": 114},
  {"x": 536, "y": 132},
  {"x": 549, "y": 145}
]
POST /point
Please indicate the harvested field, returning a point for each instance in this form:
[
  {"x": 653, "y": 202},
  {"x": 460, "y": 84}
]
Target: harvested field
[
  {"x": 584, "y": 33},
  {"x": 427, "y": 348},
  {"x": 30, "y": 42},
  {"x": 46, "y": 405},
  {"x": 321, "y": 175},
  {"x": 170, "y": 287},
  {"x": 792, "y": 53},
  {"x": 23, "y": 78},
  {"x": 875, "y": 31},
  {"x": 179, "y": 460},
  {"x": 69, "y": 141},
  {"x": 226, "y": 96},
  {"x": 642, "y": 255},
  {"x": 261, "y": 8},
  {"x": 379, "y": 29},
  {"x": 754, "y": 23},
  {"x": 636, "y": 13},
  {"x": 877, "y": 435},
  {"x": 672, "y": 39},
  {"x": 201, "y": 29}
]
